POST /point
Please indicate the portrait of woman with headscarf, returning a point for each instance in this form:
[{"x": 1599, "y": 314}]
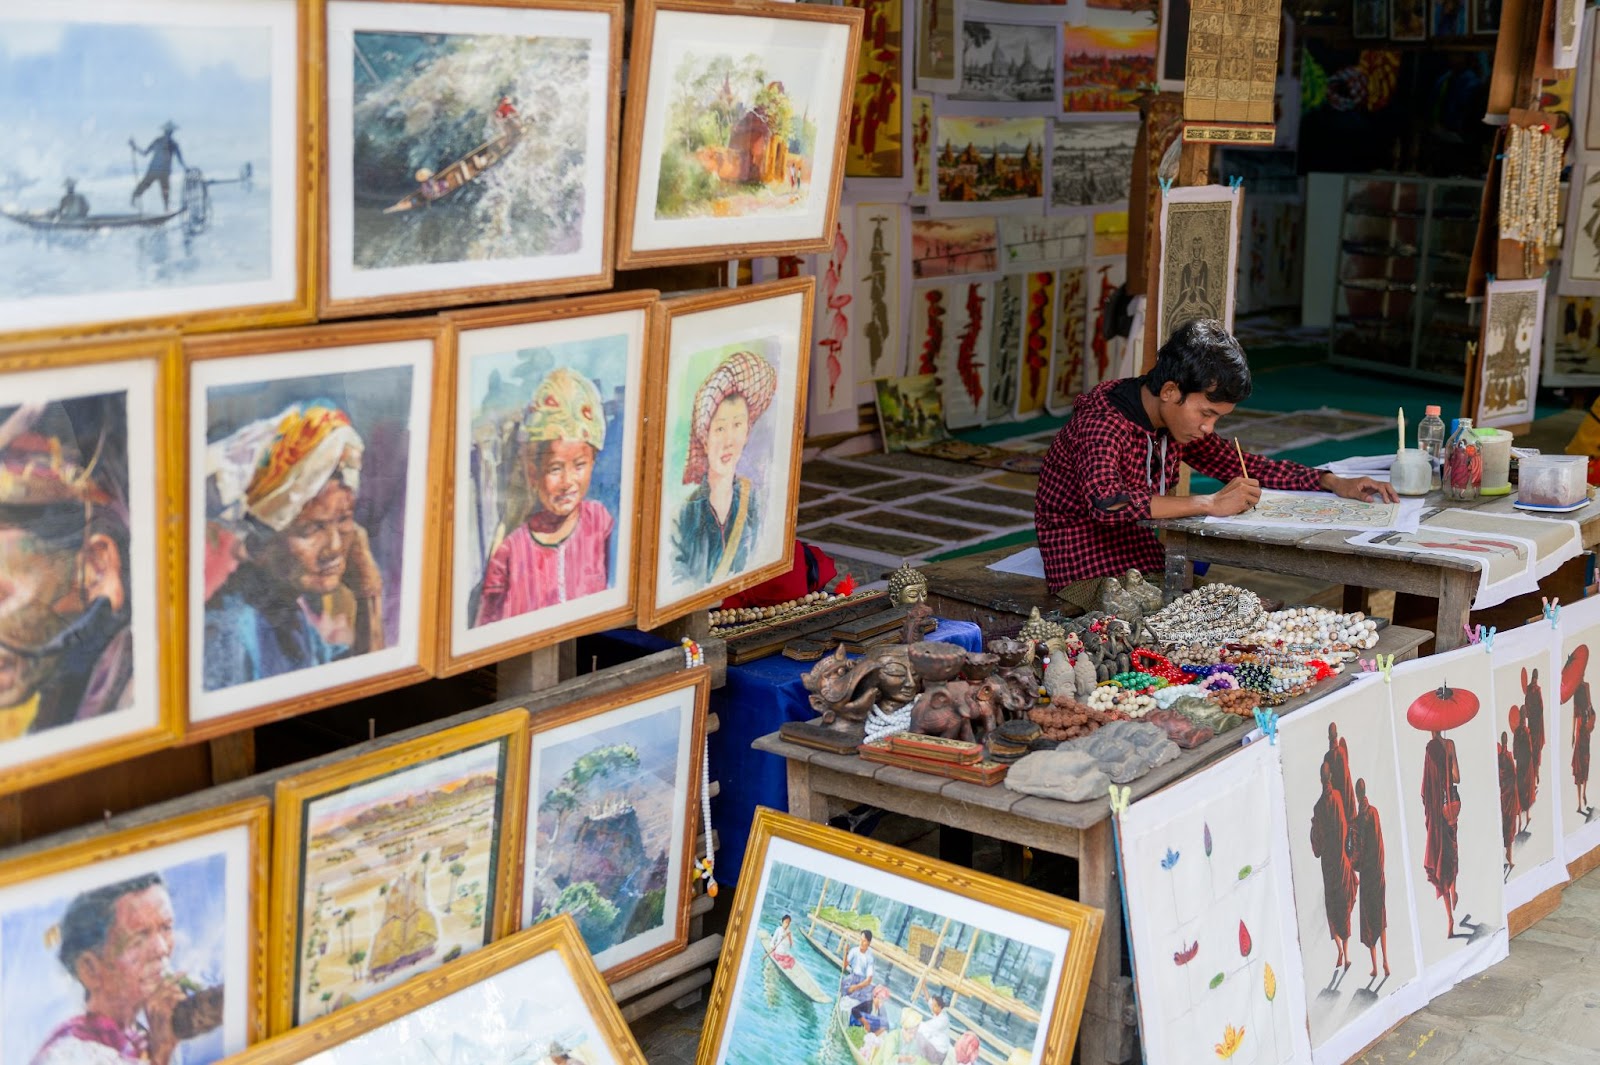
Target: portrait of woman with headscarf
[
  {"x": 306, "y": 589},
  {"x": 719, "y": 525},
  {"x": 560, "y": 551}
]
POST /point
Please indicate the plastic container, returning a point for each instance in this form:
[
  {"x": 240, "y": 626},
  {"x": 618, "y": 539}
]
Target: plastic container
[
  {"x": 1463, "y": 463},
  {"x": 1430, "y": 439},
  {"x": 1553, "y": 480},
  {"x": 1496, "y": 446},
  {"x": 1412, "y": 473}
]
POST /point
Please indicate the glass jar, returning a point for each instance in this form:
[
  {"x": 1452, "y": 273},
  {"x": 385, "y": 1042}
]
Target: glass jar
[{"x": 1463, "y": 463}]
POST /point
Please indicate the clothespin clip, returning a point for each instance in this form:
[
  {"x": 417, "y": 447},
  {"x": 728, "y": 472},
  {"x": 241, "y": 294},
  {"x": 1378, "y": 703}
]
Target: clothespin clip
[
  {"x": 1166, "y": 185},
  {"x": 1236, "y": 181},
  {"x": 1489, "y": 278},
  {"x": 1267, "y": 722},
  {"x": 1119, "y": 800},
  {"x": 1552, "y": 609},
  {"x": 1385, "y": 665},
  {"x": 1368, "y": 666},
  {"x": 1472, "y": 634},
  {"x": 1486, "y": 637}
]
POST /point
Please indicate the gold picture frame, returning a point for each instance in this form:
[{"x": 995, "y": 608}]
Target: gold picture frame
[
  {"x": 579, "y": 730},
  {"x": 586, "y": 330},
  {"x": 237, "y": 386},
  {"x": 459, "y": 283},
  {"x": 559, "y": 937},
  {"x": 300, "y": 175},
  {"x": 695, "y": 352},
  {"x": 104, "y": 470},
  {"x": 719, "y": 232},
  {"x": 219, "y": 928},
  {"x": 815, "y": 859},
  {"x": 342, "y": 794}
]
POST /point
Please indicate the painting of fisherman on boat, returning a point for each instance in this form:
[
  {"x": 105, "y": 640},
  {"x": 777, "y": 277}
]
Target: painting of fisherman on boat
[
  {"x": 141, "y": 163},
  {"x": 466, "y": 157},
  {"x": 850, "y": 965}
]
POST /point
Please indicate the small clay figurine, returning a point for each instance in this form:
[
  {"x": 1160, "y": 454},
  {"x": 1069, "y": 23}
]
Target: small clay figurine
[
  {"x": 1058, "y": 670},
  {"x": 1122, "y": 603},
  {"x": 909, "y": 588},
  {"x": 1084, "y": 674}
]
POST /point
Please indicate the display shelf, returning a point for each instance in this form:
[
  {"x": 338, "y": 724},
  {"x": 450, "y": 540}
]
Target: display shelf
[{"x": 1399, "y": 300}]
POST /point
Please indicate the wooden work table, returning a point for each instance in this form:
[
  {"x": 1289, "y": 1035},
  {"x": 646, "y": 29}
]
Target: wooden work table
[
  {"x": 819, "y": 781},
  {"x": 1327, "y": 555}
]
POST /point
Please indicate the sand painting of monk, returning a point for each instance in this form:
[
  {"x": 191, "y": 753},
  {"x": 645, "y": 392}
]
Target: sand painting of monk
[
  {"x": 306, "y": 514},
  {"x": 79, "y": 654}
]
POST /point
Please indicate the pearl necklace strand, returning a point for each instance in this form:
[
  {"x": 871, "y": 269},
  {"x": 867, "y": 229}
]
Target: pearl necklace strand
[{"x": 1316, "y": 630}]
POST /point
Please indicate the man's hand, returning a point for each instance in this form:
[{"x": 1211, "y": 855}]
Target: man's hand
[
  {"x": 1240, "y": 495},
  {"x": 363, "y": 576},
  {"x": 158, "y": 1013},
  {"x": 1364, "y": 488}
]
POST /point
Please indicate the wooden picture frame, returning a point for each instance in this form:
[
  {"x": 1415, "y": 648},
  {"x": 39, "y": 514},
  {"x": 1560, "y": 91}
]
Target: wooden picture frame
[
  {"x": 607, "y": 342},
  {"x": 87, "y": 458},
  {"x": 640, "y": 720},
  {"x": 107, "y": 265},
  {"x": 528, "y": 954},
  {"x": 702, "y": 222},
  {"x": 377, "y": 413},
  {"x": 811, "y": 873},
  {"x": 203, "y": 874},
  {"x": 367, "y": 793},
  {"x": 711, "y": 340},
  {"x": 504, "y": 243}
]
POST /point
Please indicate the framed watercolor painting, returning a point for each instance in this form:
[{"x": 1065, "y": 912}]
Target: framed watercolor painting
[
  {"x": 546, "y": 446},
  {"x": 724, "y": 445},
  {"x": 822, "y": 919},
  {"x": 740, "y": 113},
  {"x": 208, "y": 226},
  {"x": 309, "y": 539},
  {"x": 453, "y": 177},
  {"x": 86, "y": 662},
  {"x": 393, "y": 862},
  {"x": 139, "y": 945},
  {"x": 613, "y": 808},
  {"x": 534, "y": 997}
]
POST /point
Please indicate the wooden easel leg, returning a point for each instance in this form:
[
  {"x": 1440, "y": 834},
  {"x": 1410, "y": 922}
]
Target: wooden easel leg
[{"x": 233, "y": 757}]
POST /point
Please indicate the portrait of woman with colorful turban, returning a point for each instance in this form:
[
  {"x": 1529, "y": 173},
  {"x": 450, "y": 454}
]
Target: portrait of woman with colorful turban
[
  {"x": 561, "y": 550},
  {"x": 720, "y": 524},
  {"x": 306, "y": 589}
]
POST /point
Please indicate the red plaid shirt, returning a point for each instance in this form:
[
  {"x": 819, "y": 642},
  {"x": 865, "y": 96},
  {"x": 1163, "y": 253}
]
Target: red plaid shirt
[{"x": 1099, "y": 476}]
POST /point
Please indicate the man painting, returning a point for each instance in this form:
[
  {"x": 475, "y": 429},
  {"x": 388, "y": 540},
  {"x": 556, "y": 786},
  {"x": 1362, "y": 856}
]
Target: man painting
[
  {"x": 1330, "y": 828},
  {"x": 1338, "y": 762},
  {"x": 855, "y": 986},
  {"x": 306, "y": 590},
  {"x": 162, "y": 151},
  {"x": 1527, "y": 769},
  {"x": 66, "y": 649},
  {"x": 116, "y": 941},
  {"x": 1509, "y": 806},
  {"x": 1367, "y": 859},
  {"x": 1441, "y": 813}
]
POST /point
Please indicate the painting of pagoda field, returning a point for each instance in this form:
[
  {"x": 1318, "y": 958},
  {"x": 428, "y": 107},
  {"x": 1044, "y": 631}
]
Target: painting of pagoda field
[
  {"x": 399, "y": 876},
  {"x": 1108, "y": 61},
  {"x": 990, "y": 160},
  {"x": 837, "y": 973},
  {"x": 738, "y": 140}
]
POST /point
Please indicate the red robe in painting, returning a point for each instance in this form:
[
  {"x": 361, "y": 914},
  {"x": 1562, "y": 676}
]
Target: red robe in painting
[
  {"x": 1441, "y": 857},
  {"x": 1329, "y": 829},
  {"x": 1367, "y": 860},
  {"x": 1527, "y": 768},
  {"x": 1338, "y": 762},
  {"x": 1582, "y": 730},
  {"x": 1510, "y": 802},
  {"x": 1533, "y": 715}
]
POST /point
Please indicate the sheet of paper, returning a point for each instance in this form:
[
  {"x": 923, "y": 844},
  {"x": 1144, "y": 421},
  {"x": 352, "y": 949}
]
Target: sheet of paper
[
  {"x": 1323, "y": 510},
  {"x": 1027, "y": 563},
  {"x": 1505, "y": 563}
]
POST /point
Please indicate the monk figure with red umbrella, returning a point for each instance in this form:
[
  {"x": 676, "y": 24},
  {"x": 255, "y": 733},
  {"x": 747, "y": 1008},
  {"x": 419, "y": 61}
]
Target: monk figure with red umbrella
[
  {"x": 1436, "y": 712},
  {"x": 1575, "y": 689}
]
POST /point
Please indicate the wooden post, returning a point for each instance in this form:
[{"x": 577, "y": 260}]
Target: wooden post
[
  {"x": 536, "y": 670},
  {"x": 233, "y": 757}
]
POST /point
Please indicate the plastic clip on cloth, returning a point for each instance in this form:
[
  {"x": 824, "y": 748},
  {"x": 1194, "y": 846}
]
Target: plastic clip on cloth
[
  {"x": 1267, "y": 722},
  {"x": 1486, "y": 637},
  {"x": 1552, "y": 610}
]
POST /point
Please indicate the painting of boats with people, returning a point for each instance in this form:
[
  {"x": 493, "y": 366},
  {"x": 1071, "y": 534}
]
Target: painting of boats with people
[{"x": 842, "y": 975}]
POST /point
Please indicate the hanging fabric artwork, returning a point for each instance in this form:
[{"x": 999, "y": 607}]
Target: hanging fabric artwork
[
  {"x": 963, "y": 363},
  {"x": 1442, "y": 713},
  {"x": 1574, "y": 735},
  {"x": 1005, "y": 348},
  {"x": 1211, "y": 914},
  {"x": 832, "y": 404},
  {"x": 1038, "y": 334},
  {"x": 1351, "y": 873},
  {"x": 1105, "y": 359},
  {"x": 1527, "y": 688},
  {"x": 1199, "y": 256},
  {"x": 882, "y": 273},
  {"x": 1066, "y": 361}
]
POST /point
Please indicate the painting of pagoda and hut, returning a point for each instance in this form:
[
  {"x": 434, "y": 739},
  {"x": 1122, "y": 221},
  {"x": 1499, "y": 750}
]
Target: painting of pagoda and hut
[
  {"x": 987, "y": 160},
  {"x": 399, "y": 877},
  {"x": 737, "y": 142},
  {"x": 932, "y": 989}
]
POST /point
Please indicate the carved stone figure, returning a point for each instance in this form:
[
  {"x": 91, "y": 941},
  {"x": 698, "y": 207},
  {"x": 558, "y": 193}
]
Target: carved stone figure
[
  {"x": 1124, "y": 604},
  {"x": 843, "y": 690},
  {"x": 1146, "y": 594}
]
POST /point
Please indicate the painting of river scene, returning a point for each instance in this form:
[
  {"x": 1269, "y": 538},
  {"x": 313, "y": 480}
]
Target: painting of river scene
[
  {"x": 847, "y": 964},
  {"x": 150, "y": 159}
]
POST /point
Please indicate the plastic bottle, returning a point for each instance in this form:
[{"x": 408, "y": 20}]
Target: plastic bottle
[
  {"x": 1463, "y": 463},
  {"x": 1430, "y": 440}
]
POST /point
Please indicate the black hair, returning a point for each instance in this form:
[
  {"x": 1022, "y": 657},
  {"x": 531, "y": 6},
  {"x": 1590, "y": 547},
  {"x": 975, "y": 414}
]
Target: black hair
[
  {"x": 938, "y": 1000},
  {"x": 786, "y": 917},
  {"x": 1202, "y": 356},
  {"x": 89, "y": 916},
  {"x": 868, "y": 933}
]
